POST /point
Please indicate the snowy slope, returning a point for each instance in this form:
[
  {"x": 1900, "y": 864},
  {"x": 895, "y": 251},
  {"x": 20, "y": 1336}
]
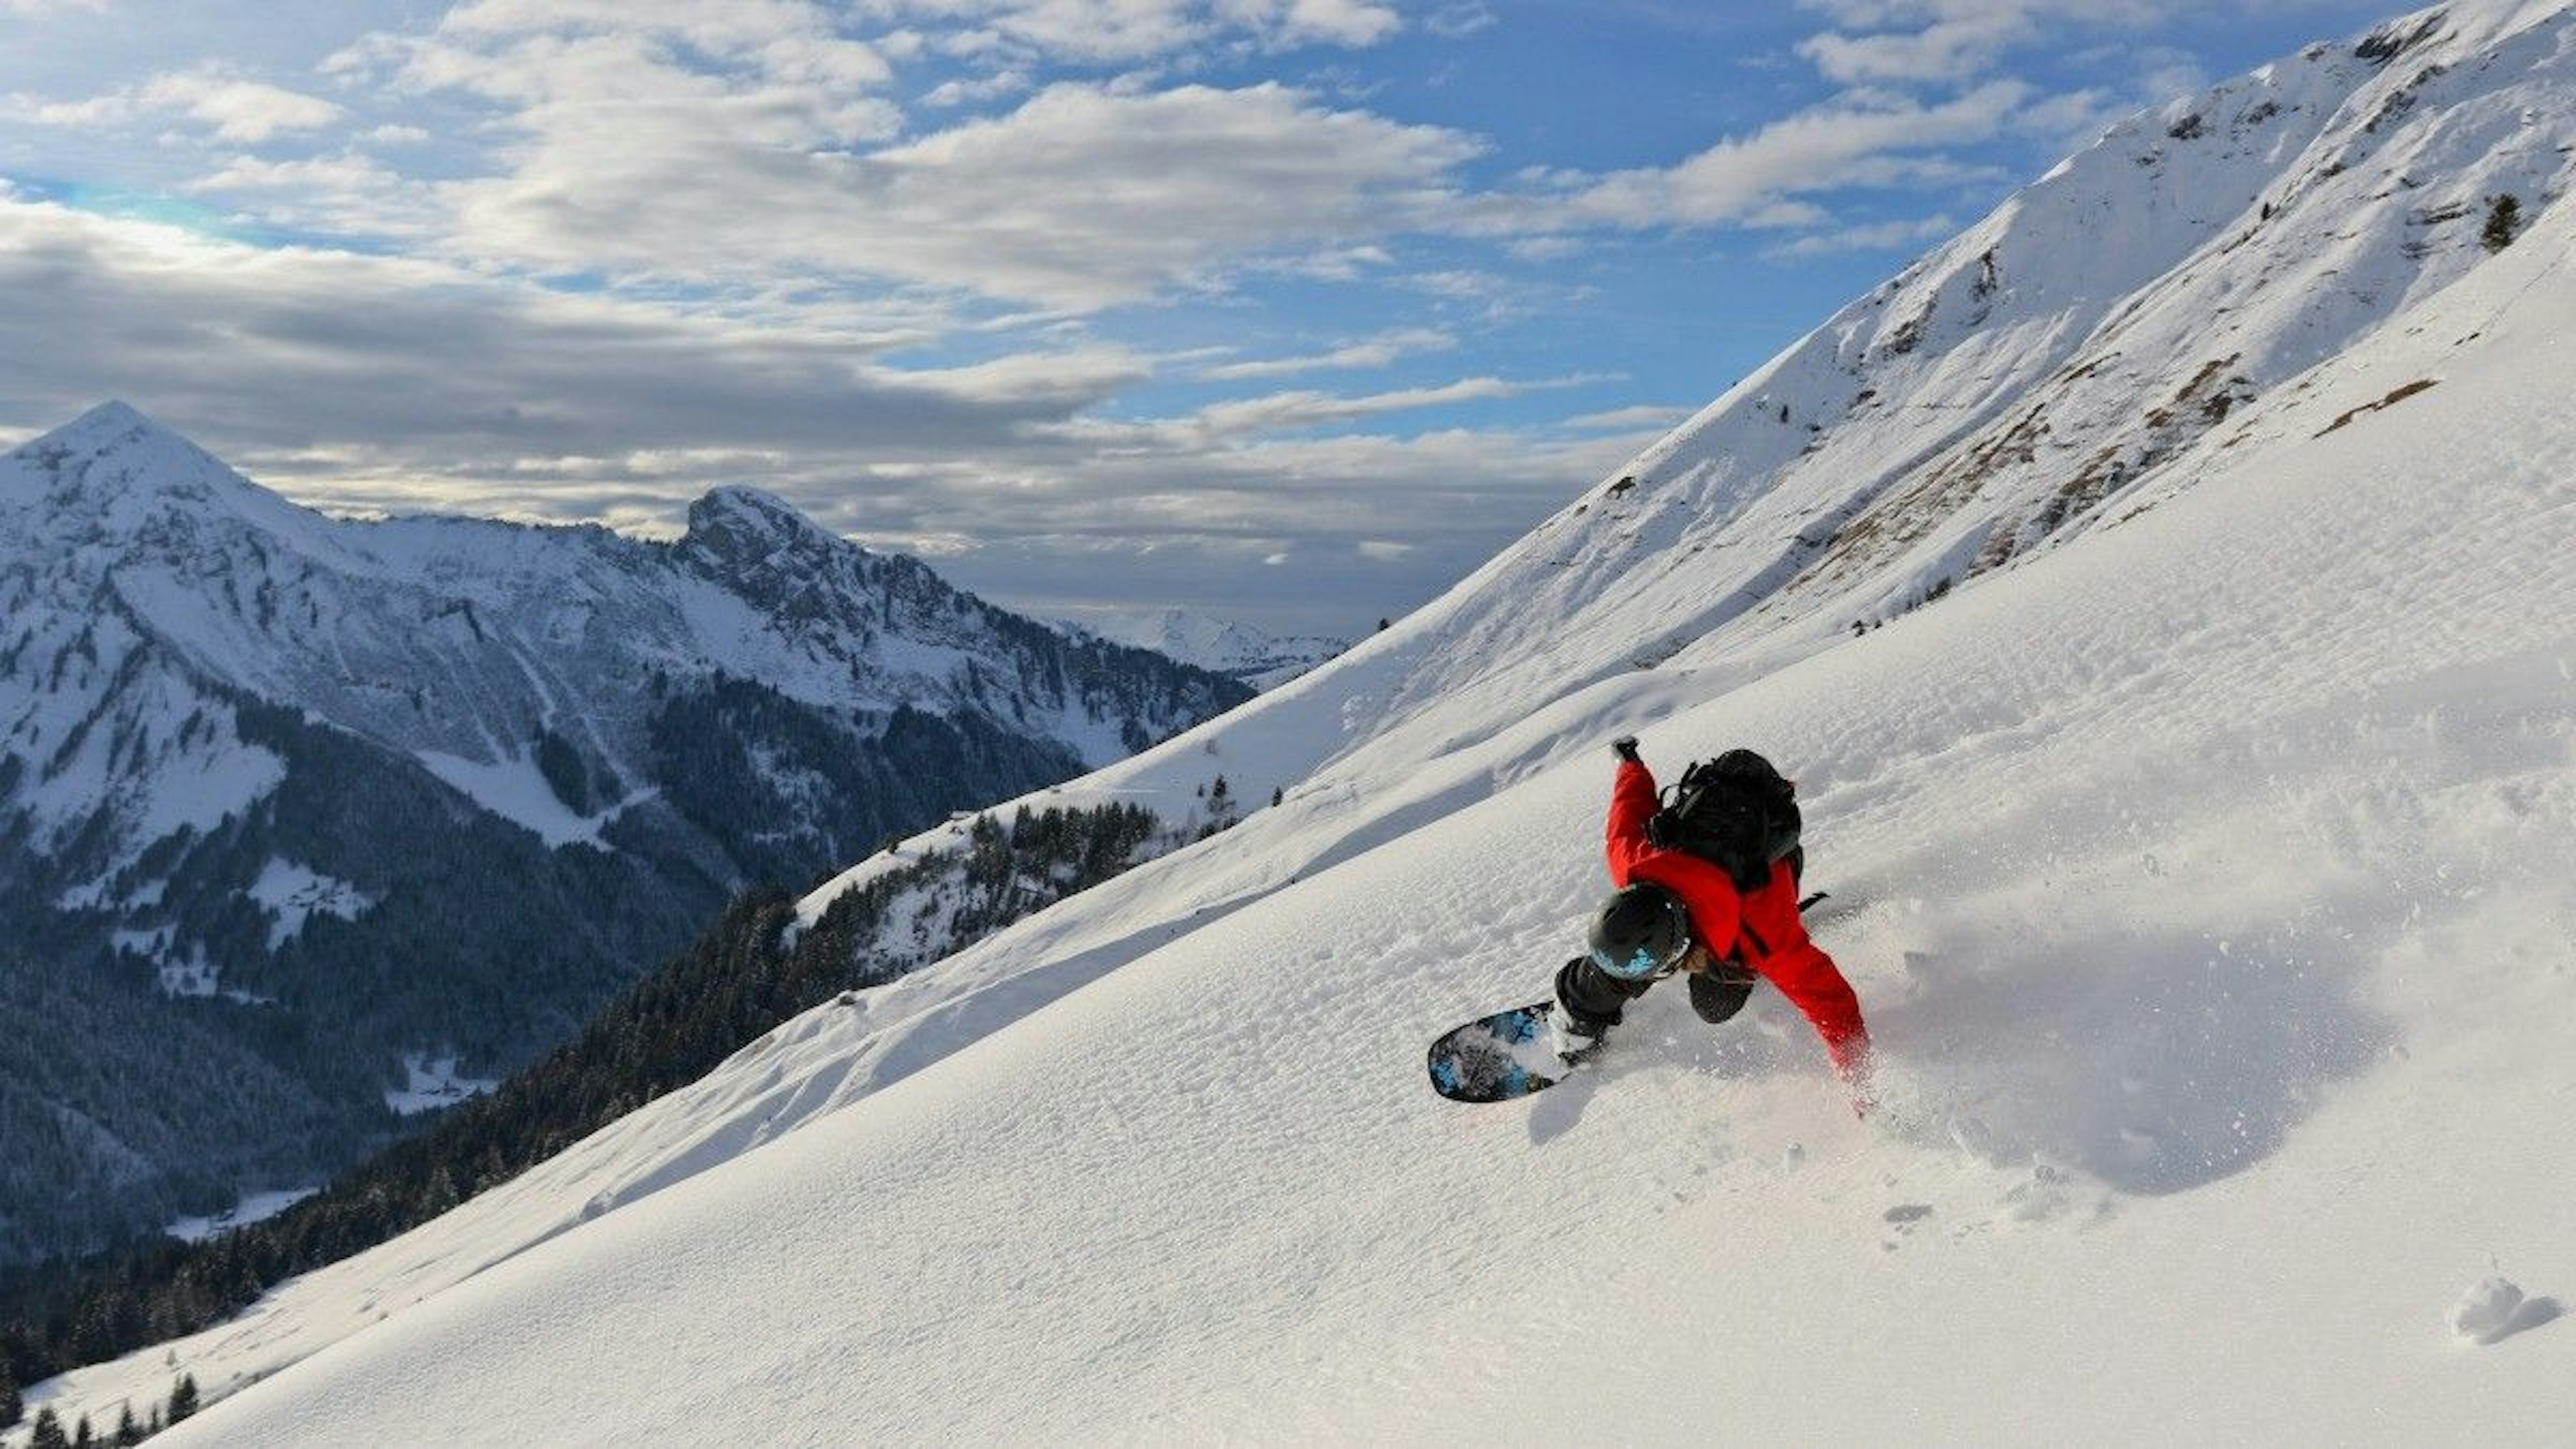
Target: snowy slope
[
  {"x": 2239, "y": 954},
  {"x": 2206, "y": 892},
  {"x": 2002, "y": 393}
]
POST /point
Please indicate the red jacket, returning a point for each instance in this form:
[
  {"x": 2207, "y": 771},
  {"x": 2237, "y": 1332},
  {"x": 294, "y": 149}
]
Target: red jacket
[{"x": 1762, "y": 929}]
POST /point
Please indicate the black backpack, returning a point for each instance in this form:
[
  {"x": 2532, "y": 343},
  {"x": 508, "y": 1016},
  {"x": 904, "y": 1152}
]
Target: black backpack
[{"x": 1735, "y": 812}]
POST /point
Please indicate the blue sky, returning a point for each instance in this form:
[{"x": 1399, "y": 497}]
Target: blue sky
[{"x": 1290, "y": 311}]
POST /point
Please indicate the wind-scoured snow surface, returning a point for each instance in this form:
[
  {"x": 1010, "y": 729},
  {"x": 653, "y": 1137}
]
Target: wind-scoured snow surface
[{"x": 2200, "y": 859}]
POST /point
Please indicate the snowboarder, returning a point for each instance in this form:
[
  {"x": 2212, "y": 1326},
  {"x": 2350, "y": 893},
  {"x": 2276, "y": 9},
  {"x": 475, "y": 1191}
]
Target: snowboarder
[{"x": 1708, "y": 889}]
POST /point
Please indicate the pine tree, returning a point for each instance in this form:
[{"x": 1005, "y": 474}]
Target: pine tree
[
  {"x": 12, "y": 1407},
  {"x": 183, "y": 1397},
  {"x": 49, "y": 1432},
  {"x": 128, "y": 1432},
  {"x": 439, "y": 1194},
  {"x": 2504, "y": 218},
  {"x": 82, "y": 1437}
]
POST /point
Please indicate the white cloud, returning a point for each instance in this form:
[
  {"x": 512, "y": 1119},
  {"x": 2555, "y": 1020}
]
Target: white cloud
[
  {"x": 769, "y": 68},
  {"x": 2165, "y": 72},
  {"x": 1376, "y": 351},
  {"x": 1778, "y": 214},
  {"x": 2072, "y": 120},
  {"x": 1109, "y": 32},
  {"x": 973, "y": 92},
  {"x": 1337, "y": 262},
  {"x": 1898, "y": 235},
  {"x": 1460, "y": 20},
  {"x": 1268, "y": 529},
  {"x": 1661, "y": 418},
  {"x": 1948, "y": 50},
  {"x": 1081, "y": 191},
  {"x": 1888, "y": 13},
  {"x": 1933, "y": 172},
  {"x": 429, "y": 369},
  {"x": 107, "y": 110},
  {"x": 1458, "y": 284},
  {"x": 1290, "y": 410},
  {"x": 1544, "y": 248},
  {"x": 344, "y": 194},
  {"x": 1950, "y": 42},
  {"x": 235, "y": 109},
  {"x": 239, "y": 110},
  {"x": 798, "y": 35},
  {"x": 385, "y": 384},
  {"x": 1747, "y": 180},
  {"x": 754, "y": 147},
  {"x": 744, "y": 144},
  {"x": 1311, "y": 22},
  {"x": 1077, "y": 199}
]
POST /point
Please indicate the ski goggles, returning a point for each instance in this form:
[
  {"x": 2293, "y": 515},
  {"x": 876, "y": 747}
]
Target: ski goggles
[{"x": 1638, "y": 965}]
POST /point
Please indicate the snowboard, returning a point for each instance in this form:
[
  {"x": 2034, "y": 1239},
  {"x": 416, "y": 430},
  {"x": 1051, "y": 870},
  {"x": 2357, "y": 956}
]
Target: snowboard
[
  {"x": 1505, "y": 1056},
  {"x": 1498, "y": 1058}
]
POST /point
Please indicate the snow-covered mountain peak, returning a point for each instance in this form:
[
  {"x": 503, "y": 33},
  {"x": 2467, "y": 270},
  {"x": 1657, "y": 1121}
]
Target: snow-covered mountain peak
[
  {"x": 2027, "y": 381},
  {"x": 738, "y": 525},
  {"x": 112, "y": 469},
  {"x": 758, "y": 547},
  {"x": 117, "y": 483},
  {"x": 113, "y": 449},
  {"x": 218, "y": 707},
  {"x": 114, "y": 417}
]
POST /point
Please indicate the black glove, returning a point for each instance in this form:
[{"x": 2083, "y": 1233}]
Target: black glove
[{"x": 1625, "y": 747}]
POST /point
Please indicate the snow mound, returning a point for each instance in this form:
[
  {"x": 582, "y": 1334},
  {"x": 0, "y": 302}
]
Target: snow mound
[{"x": 2496, "y": 1310}]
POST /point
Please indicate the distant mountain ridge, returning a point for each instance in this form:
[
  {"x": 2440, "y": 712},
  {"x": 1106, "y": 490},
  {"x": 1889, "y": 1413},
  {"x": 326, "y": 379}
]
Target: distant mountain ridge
[
  {"x": 439, "y": 785},
  {"x": 1238, "y": 650}
]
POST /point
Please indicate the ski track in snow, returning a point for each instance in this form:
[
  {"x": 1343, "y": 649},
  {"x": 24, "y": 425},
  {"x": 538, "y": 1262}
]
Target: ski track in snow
[{"x": 2204, "y": 880}]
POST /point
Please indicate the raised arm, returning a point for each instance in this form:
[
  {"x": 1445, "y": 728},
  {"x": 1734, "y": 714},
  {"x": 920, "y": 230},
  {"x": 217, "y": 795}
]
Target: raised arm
[{"x": 1632, "y": 804}]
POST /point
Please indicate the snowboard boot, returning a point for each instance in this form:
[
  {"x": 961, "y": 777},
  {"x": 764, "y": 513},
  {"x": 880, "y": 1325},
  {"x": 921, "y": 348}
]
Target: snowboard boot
[
  {"x": 1574, "y": 1032},
  {"x": 1719, "y": 992},
  {"x": 1574, "y": 1038}
]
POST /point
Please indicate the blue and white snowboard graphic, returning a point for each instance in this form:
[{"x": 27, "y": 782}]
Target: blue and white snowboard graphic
[{"x": 1497, "y": 1058}]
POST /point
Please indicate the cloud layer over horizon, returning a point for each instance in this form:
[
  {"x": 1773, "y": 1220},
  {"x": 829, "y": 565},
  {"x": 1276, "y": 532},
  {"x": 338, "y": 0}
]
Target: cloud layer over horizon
[{"x": 1292, "y": 310}]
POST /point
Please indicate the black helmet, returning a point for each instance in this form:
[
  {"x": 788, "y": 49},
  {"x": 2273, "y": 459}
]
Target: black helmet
[{"x": 1640, "y": 931}]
